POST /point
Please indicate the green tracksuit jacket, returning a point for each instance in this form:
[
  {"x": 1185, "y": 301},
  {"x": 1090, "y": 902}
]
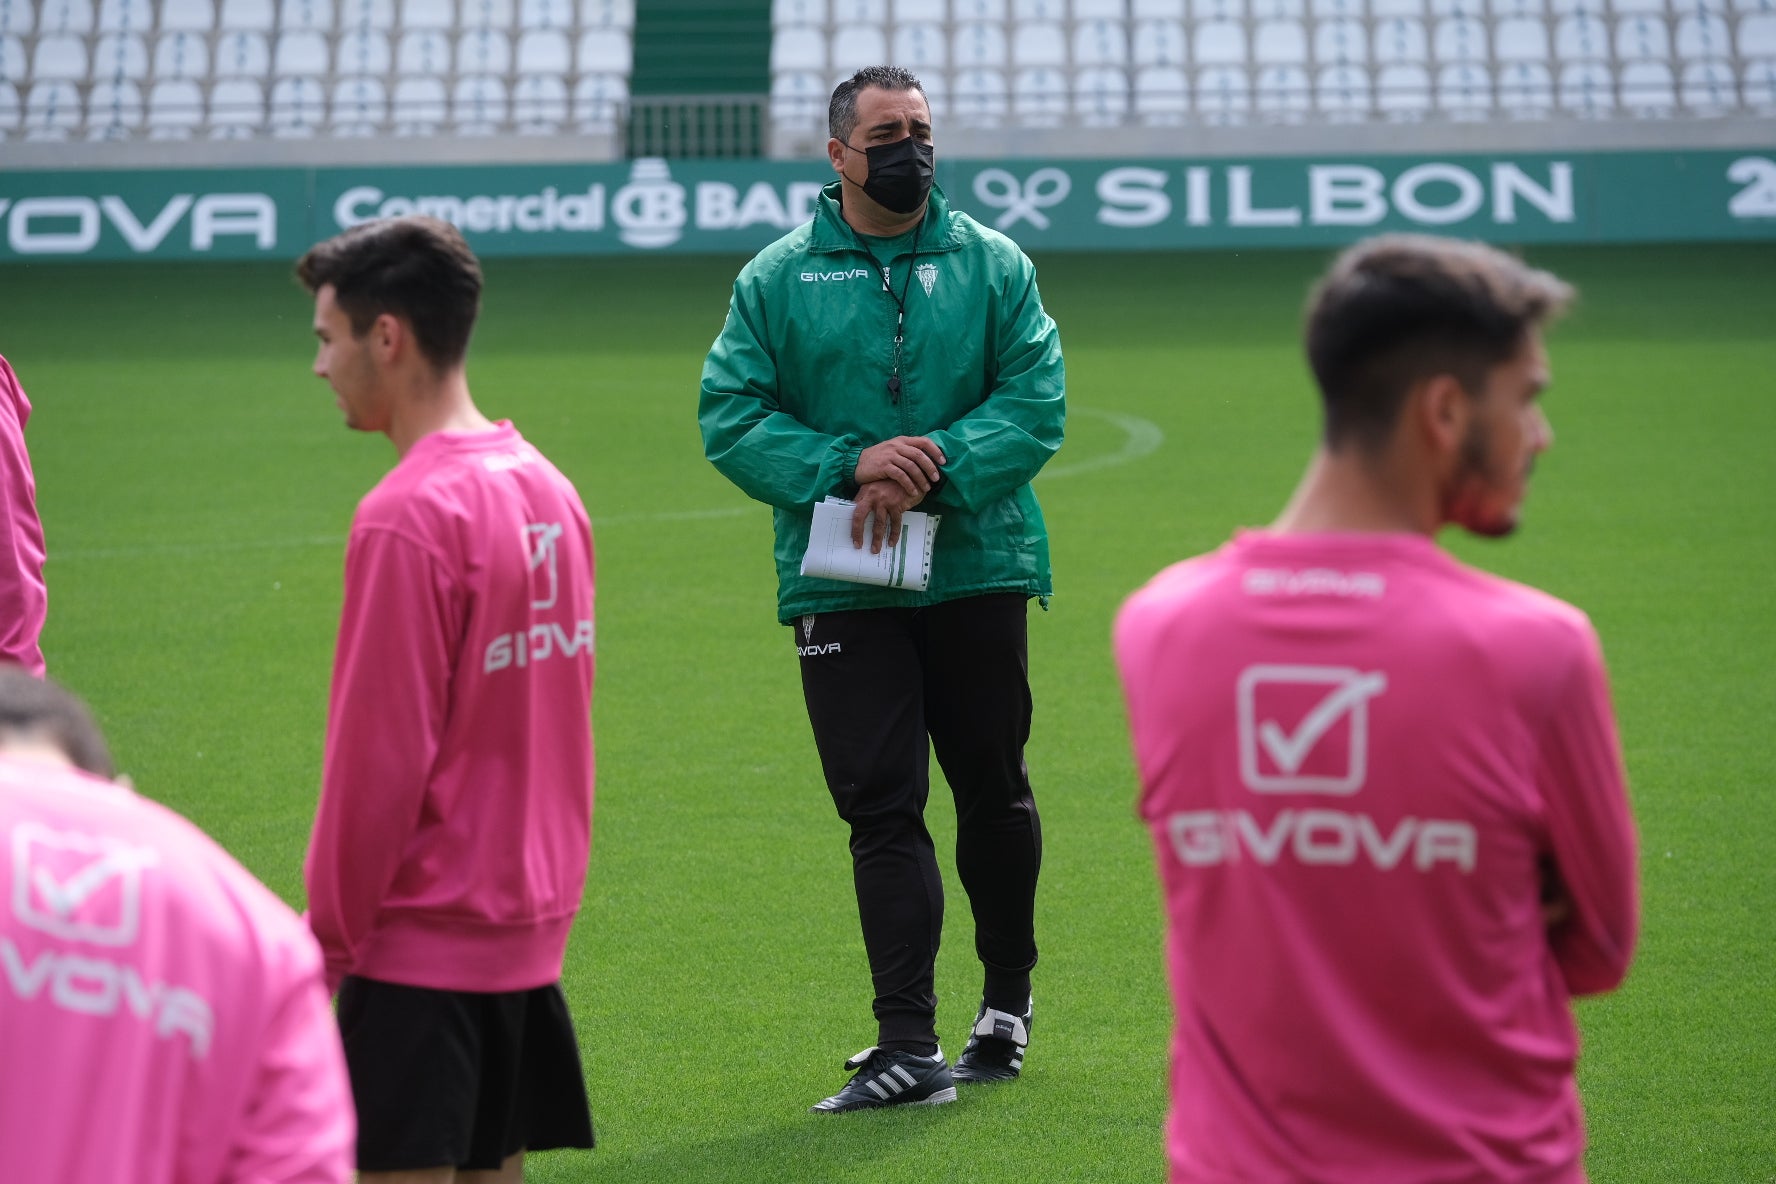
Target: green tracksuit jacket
[{"x": 795, "y": 388}]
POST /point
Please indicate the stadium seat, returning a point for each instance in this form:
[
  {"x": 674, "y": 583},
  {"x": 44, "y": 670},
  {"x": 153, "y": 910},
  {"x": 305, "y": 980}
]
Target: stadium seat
[
  {"x": 12, "y": 58},
  {"x": 1587, "y": 90},
  {"x": 478, "y": 105},
  {"x": 551, "y": 16},
  {"x": 600, "y": 101},
  {"x": 423, "y": 52},
  {"x": 923, "y": 12},
  {"x": 1342, "y": 94},
  {"x": 1155, "y": 10},
  {"x": 418, "y": 106},
  {"x": 12, "y": 112},
  {"x": 1284, "y": 93},
  {"x": 175, "y": 109},
  {"x": 62, "y": 18},
  {"x": 1517, "y": 9},
  {"x": 1525, "y": 90},
  {"x": 1042, "y": 11},
  {"x": 1760, "y": 86},
  {"x": 296, "y": 16},
  {"x": 1595, "y": 9},
  {"x": 539, "y": 104},
  {"x": 113, "y": 111},
  {"x": 978, "y": 98},
  {"x": 1751, "y": 7},
  {"x": 363, "y": 52},
  {"x": 1100, "y": 10},
  {"x": 1100, "y": 43},
  {"x": 545, "y": 51},
  {"x": 964, "y": 11},
  {"x": 1101, "y": 96},
  {"x": 979, "y": 46},
  {"x": 1403, "y": 92},
  {"x": 859, "y": 12},
  {"x": 1709, "y": 88},
  {"x": 1703, "y": 36},
  {"x": 181, "y": 55},
  {"x": 360, "y": 107},
  {"x": 1340, "y": 41},
  {"x": 58, "y": 56},
  {"x": 485, "y": 14},
  {"x": 1039, "y": 96},
  {"x": 1162, "y": 96},
  {"x": 1278, "y": 10},
  {"x": 1223, "y": 95},
  {"x": 607, "y": 14},
  {"x": 857, "y": 46},
  {"x": 1647, "y": 90},
  {"x": 1220, "y": 43},
  {"x": 1642, "y": 39},
  {"x": 1459, "y": 39},
  {"x": 798, "y": 47},
  {"x": 256, "y": 16},
  {"x": 1339, "y": 10},
  {"x": 301, "y": 54},
  {"x": 428, "y": 14},
  {"x": 124, "y": 16},
  {"x": 1445, "y": 9},
  {"x": 1280, "y": 43},
  {"x": 483, "y": 50},
  {"x": 298, "y": 108},
  {"x": 1637, "y": 7},
  {"x": 921, "y": 48},
  {"x": 1040, "y": 44},
  {"x": 17, "y": 18},
  {"x": 1581, "y": 37},
  {"x": 1399, "y": 40},
  {"x": 1464, "y": 91},
  {"x": 936, "y": 85},
  {"x": 606, "y": 51},
  {"x": 367, "y": 14},
  {"x": 1520, "y": 39},
  {"x": 1385, "y": 10},
  {"x": 1757, "y": 36},
  {"x": 237, "y": 109},
  {"x": 1159, "y": 43},
  {"x": 118, "y": 56},
  {"x": 52, "y": 110},
  {"x": 799, "y": 99},
  {"x": 242, "y": 55}
]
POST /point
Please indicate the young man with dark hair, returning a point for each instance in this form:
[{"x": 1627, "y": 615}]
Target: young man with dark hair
[
  {"x": 24, "y": 600},
  {"x": 163, "y": 1016},
  {"x": 451, "y": 840},
  {"x": 895, "y": 352},
  {"x": 1385, "y": 789}
]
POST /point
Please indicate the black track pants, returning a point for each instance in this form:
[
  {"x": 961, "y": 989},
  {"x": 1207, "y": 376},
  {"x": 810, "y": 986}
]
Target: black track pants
[{"x": 878, "y": 682}]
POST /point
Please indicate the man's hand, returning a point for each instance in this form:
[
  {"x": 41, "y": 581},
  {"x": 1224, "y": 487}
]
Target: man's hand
[
  {"x": 909, "y": 461},
  {"x": 887, "y": 501}
]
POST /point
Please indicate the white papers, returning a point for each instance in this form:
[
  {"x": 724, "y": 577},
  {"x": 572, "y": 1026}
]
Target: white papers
[{"x": 832, "y": 556}]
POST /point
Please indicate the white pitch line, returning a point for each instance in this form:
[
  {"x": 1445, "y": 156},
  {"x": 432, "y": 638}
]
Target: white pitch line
[{"x": 1142, "y": 438}]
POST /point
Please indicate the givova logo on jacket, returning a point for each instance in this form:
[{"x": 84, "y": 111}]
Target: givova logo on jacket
[{"x": 545, "y": 640}]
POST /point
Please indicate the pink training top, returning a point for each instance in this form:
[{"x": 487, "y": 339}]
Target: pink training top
[
  {"x": 1364, "y": 765},
  {"x": 24, "y": 601},
  {"x": 455, "y": 820},
  {"x": 163, "y": 1018}
]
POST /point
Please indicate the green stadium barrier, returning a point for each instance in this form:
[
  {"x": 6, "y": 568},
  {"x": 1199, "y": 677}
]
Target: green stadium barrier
[{"x": 732, "y": 206}]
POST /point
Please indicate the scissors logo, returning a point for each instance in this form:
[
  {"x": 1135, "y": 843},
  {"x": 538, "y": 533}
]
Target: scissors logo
[{"x": 1044, "y": 188}]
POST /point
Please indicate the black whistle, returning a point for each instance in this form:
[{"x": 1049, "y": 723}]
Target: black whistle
[{"x": 894, "y": 386}]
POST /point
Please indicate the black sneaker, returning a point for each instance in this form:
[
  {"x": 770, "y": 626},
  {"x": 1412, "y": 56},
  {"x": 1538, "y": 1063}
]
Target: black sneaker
[
  {"x": 995, "y": 1050},
  {"x": 892, "y": 1079}
]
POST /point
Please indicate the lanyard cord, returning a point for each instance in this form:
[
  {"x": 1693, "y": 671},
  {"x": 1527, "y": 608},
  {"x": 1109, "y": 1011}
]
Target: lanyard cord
[{"x": 899, "y": 300}]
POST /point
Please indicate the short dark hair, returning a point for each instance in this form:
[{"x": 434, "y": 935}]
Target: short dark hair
[
  {"x": 415, "y": 267},
  {"x": 1400, "y": 308},
  {"x": 841, "y": 113},
  {"x": 40, "y": 709}
]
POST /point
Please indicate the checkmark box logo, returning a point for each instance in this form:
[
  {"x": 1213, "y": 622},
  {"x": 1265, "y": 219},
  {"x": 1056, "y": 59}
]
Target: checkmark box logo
[
  {"x": 1305, "y": 729},
  {"x": 78, "y": 887}
]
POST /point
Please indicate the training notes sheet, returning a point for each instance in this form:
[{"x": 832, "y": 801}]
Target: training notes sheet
[{"x": 832, "y": 556}]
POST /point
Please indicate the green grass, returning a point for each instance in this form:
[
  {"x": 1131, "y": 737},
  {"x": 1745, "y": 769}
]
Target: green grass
[{"x": 196, "y": 487}]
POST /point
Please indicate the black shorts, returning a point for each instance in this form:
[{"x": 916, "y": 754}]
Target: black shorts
[{"x": 460, "y": 1078}]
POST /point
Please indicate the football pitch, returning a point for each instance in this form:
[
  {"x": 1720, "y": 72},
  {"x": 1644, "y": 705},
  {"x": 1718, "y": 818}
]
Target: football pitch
[{"x": 196, "y": 487}]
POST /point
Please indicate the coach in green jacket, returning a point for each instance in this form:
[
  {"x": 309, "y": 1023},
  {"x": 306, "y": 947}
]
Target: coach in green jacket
[{"x": 896, "y": 353}]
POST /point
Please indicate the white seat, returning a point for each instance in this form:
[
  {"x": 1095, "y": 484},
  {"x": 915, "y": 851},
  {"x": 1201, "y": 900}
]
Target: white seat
[
  {"x": 600, "y": 101},
  {"x": 1590, "y": 8},
  {"x": 1399, "y": 39},
  {"x": 1101, "y": 96},
  {"x": 1223, "y": 95},
  {"x": 1383, "y": 10},
  {"x": 301, "y": 54},
  {"x": 1637, "y": 7},
  {"x": 921, "y": 47},
  {"x": 175, "y": 109},
  {"x": 1709, "y": 88},
  {"x": 977, "y": 45},
  {"x": 1642, "y": 38},
  {"x": 1038, "y": 45},
  {"x": 539, "y": 104},
  {"x": 237, "y": 109},
  {"x": 608, "y": 14},
  {"x": 857, "y": 46},
  {"x": 1278, "y": 10},
  {"x": 1284, "y": 93},
  {"x": 1703, "y": 36},
  {"x": 1038, "y": 10},
  {"x": 483, "y": 50},
  {"x": 1160, "y": 43},
  {"x": 124, "y": 16},
  {"x": 859, "y": 12},
  {"x": 363, "y": 51},
  {"x": 1217, "y": 10},
  {"x": 1100, "y": 43},
  {"x": 963, "y": 11},
  {"x": 1757, "y": 36},
  {"x": 545, "y": 51},
  {"x": 118, "y": 56},
  {"x": 798, "y": 47},
  {"x": 1520, "y": 39},
  {"x": 554, "y": 16},
  {"x": 52, "y": 110},
  {"x": 978, "y": 97},
  {"x": 1444, "y": 9},
  {"x": 255, "y": 16},
  {"x": 294, "y": 16},
  {"x": 797, "y": 12},
  {"x": 921, "y": 12},
  {"x": 1525, "y": 90},
  {"x": 1100, "y": 10},
  {"x": 1464, "y": 91},
  {"x": 12, "y": 109},
  {"x": 1751, "y": 7},
  {"x": 1586, "y": 89},
  {"x": 1460, "y": 39},
  {"x": 1162, "y": 95},
  {"x": 12, "y": 58},
  {"x": 423, "y": 51},
  {"x": 1403, "y": 91},
  {"x": 367, "y": 14},
  {"x": 1507, "y": 9},
  {"x": 428, "y": 14},
  {"x": 181, "y": 55},
  {"x": 799, "y": 98},
  {"x": 58, "y": 56},
  {"x": 242, "y": 55},
  {"x": 113, "y": 111},
  {"x": 485, "y": 14},
  {"x": 419, "y": 106},
  {"x": 1343, "y": 93},
  {"x": 1220, "y": 43},
  {"x": 478, "y": 105},
  {"x": 17, "y": 18},
  {"x": 1581, "y": 37},
  {"x": 1157, "y": 10},
  {"x": 360, "y": 107},
  {"x": 1039, "y": 96},
  {"x": 1759, "y": 80},
  {"x": 298, "y": 107},
  {"x": 1648, "y": 90},
  {"x": 1339, "y": 10},
  {"x": 63, "y": 17},
  {"x": 1342, "y": 42},
  {"x": 1280, "y": 43}
]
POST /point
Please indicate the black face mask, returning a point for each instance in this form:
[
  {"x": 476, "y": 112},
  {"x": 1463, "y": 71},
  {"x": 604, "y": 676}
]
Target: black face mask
[{"x": 899, "y": 174}]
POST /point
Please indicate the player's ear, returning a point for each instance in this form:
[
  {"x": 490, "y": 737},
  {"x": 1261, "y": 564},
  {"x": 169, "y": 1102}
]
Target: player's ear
[
  {"x": 835, "y": 152},
  {"x": 1441, "y": 409},
  {"x": 387, "y": 336}
]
